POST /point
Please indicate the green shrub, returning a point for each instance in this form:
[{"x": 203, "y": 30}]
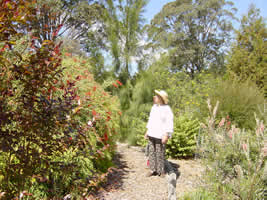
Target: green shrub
[
  {"x": 73, "y": 169},
  {"x": 182, "y": 142},
  {"x": 136, "y": 127},
  {"x": 239, "y": 101}
]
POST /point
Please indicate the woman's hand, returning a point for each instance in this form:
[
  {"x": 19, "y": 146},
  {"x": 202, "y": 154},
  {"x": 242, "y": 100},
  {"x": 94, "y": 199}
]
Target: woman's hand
[
  {"x": 145, "y": 136},
  {"x": 164, "y": 139}
]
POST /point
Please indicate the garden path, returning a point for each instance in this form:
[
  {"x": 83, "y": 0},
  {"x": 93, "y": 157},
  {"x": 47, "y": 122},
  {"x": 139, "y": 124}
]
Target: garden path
[{"x": 128, "y": 182}]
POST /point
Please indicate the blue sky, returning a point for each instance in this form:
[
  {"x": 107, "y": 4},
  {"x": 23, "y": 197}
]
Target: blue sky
[{"x": 154, "y": 6}]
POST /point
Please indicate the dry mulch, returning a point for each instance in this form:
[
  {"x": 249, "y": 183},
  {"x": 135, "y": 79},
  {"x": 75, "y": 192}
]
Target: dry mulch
[{"x": 128, "y": 181}]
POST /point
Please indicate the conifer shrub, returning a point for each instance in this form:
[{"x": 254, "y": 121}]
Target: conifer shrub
[{"x": 182, "y": 144}]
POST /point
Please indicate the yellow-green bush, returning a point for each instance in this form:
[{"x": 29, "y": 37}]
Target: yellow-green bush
[
  {"x": 239, "y": 101},
  {"x": 183, "y": 142}
]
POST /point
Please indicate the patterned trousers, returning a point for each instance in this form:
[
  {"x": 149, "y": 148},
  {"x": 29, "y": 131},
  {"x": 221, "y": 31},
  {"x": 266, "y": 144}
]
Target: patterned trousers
[{"x": 156, "y": 155}]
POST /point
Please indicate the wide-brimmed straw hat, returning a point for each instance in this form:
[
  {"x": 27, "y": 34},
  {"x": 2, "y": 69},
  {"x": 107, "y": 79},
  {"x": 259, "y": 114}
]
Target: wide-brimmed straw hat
[{"x": 163, "y": 95}]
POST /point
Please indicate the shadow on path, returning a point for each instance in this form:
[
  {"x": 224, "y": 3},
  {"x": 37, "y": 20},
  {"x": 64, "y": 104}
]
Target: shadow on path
[{"x": 115, "y": 176}]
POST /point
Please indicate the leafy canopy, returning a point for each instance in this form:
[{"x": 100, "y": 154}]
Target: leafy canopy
[
  {"x": 248, "y": 56},
  {"x": 194, "y": 33}
]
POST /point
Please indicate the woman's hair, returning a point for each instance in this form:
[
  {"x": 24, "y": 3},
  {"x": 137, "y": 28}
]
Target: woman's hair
[{"x": 161, "y": 99}]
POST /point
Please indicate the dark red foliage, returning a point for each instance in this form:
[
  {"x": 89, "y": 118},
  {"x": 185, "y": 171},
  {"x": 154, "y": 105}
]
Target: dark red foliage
[{"x": 32, "y": 113}]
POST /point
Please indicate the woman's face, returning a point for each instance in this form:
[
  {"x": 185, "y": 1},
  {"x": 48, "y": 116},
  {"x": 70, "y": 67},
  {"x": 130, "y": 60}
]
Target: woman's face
[{"x": 157, "y": 100}]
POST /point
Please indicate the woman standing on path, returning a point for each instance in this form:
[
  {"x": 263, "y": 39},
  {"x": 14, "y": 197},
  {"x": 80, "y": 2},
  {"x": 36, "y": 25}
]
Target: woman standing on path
[{"x": 159, "y": 129}]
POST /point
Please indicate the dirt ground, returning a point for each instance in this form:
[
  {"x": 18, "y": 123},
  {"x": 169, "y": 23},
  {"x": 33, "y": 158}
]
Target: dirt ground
[{"x": 127, "y": 181}]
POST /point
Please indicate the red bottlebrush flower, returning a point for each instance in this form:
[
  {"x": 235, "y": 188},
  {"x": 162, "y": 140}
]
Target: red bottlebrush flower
[
  {"x": 88, "y": 93},
  {"x": 78, "y": 78},
  {"x": 118, "y": 82},
  {"x": 62, "y": 86},
  {"x": 55, "y": 33},
  {"x": 56, "y": 50},
  {"x": 105, "y": 136},
  {"x": 109, "y": 113},
  {"x": 67, "y": 54},
  {"x": 4, "y": 47},
  {"x": 94, "y": 88},
  {"x": 94, "y": 113},
  {"x": 70, "y": 138},
  {"x": 114, "y": 84},
  {"x": 108, "y": 118},
  {"x": 54, "y": 89}
]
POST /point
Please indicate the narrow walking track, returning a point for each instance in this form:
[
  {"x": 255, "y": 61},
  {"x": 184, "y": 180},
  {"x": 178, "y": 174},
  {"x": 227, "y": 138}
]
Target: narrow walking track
[{"x": 128, "y": 182}]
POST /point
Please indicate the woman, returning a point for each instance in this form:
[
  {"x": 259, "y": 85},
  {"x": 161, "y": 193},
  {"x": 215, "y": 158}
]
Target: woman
[{"x": 159, "y": 129}]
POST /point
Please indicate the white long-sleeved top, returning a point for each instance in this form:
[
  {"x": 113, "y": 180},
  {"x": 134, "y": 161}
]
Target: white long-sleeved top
[{"x": 160, "y": 121}]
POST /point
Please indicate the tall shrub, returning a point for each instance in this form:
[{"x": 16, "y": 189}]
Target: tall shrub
[
  {"x": 238, "y": 100},
  {"x": 247, "y": 58},
  {"x": 55, "y": 136},
  {"x": 30, "y": 119}
]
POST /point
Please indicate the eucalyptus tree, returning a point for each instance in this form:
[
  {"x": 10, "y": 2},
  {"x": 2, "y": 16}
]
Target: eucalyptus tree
[
  {"x": 124, "y": 20},
  {"x": 194, "y": 32}
]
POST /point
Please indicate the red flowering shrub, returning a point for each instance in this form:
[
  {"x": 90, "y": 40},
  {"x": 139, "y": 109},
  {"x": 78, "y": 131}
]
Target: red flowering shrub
[
  {"x": 98, "y": 111},
  {"x": 47, "y": 145}
]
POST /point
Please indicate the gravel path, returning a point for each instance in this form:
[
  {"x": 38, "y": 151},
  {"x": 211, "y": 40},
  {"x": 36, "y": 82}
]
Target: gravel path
[{"x": 128, "y": 182}]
